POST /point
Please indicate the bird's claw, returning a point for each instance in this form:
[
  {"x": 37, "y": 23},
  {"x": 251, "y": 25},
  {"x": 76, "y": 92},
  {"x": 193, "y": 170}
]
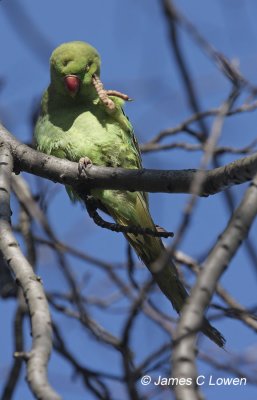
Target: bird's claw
[{"x": 84, "y": 163}]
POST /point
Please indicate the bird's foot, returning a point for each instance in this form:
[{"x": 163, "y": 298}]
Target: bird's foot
[
  {"x": 163, "y": 233},
  {"x": 122, "y": 96},
  {"x": 84, "y": 163},
  {"x": 102, "y": 93}
]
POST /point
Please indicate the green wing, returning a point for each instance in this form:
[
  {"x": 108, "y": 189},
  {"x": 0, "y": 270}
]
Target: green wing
[{"x": 122, "y": 118}]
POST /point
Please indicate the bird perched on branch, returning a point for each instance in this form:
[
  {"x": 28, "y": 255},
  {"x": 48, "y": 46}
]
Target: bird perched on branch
[{"x": 81, "y": 121}]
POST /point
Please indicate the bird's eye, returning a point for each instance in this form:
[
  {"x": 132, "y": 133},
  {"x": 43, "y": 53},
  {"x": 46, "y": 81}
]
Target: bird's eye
[
  {"x": 65, "y": 62},
  {"x": 87, "y": 67}
]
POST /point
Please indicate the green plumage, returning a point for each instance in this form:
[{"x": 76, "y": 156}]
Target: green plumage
[{"x": 76, "y": 123}]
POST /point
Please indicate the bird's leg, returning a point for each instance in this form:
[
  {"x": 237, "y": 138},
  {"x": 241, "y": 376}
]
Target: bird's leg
[
  {"x": 91, "y": 207},
  {"x": 84, "y": 163},
  {"x": 102, "y": 93}
]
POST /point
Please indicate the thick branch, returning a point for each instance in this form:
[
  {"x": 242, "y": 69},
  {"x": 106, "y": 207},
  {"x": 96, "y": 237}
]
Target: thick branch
[
  {"x": 148, "y": 180},
  {"x": 215, "y": 265},
  {"x": 32, "y": 288}
]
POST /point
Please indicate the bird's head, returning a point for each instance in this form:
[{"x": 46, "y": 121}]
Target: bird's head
[{"x": 72, "y": 66}]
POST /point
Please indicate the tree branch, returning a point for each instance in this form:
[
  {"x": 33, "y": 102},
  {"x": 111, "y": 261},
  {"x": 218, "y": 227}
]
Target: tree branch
[
  {"x": 148, "y": 180},
  {"x": 215, "y": 265},
  {"x": 32, "y": 288},
  {"x": 184, "y": 126}
]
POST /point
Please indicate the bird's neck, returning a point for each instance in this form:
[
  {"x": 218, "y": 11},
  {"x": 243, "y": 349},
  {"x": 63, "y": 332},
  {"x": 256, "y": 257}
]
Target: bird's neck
[{"x": 66, "y": 100}]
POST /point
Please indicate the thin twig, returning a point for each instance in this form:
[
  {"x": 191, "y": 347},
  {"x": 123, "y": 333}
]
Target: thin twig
[
  {"x": 183, "y": 126},
  {"x": 198, "y": 181}
]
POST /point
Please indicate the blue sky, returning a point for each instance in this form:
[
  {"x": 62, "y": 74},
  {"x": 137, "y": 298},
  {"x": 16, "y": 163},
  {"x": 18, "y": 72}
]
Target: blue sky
[{"x": 132, "y": 38}]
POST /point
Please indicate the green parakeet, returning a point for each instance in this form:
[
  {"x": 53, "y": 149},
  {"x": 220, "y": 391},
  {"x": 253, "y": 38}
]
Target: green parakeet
[{"x": 78, "y": 119}]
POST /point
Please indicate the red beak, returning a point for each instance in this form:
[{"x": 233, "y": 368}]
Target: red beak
[{"x": 72, "y": 83}]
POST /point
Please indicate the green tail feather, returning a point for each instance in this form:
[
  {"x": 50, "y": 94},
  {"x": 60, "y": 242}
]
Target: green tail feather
[
  {"x": 131, "y": 209},
  {"x": 169, "y": 283}
]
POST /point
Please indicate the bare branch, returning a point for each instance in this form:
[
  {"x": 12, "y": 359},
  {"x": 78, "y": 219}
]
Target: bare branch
[
  {"x": 15, "y": 371},
  {"x": 154, "y": 147},
  {"x": 215, "y": 265},
  {"x": 199, "y": 178},
  {"x": 225, "y": 66},
  {"x": 148, "y": 180},
  {"x": 236, "y": 308},
  {"x": 229, "y": 367},
  {"x": 92, "y": 379},
  {"x": 183, "y": 126},
  {"x": 32, "y": 289},
  {"x": 169, "y": 11}
]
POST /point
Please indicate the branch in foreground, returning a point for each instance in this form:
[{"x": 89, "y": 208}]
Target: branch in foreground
[
  {"x": 215, "y": 265},
  {"x": 32, "y": 288},
  {"x": 148, "y": 180}
]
